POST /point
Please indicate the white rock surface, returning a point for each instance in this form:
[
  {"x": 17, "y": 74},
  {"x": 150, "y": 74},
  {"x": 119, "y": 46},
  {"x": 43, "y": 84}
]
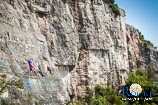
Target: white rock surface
[{"x": 74, "y": 46}]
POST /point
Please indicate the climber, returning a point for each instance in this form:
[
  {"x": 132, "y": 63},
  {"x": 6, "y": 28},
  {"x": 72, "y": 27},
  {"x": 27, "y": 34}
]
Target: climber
[{"x": 31, "y": 65}]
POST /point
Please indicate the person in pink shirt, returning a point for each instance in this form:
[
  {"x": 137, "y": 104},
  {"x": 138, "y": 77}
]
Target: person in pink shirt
[{"x": 31, "y": 65}]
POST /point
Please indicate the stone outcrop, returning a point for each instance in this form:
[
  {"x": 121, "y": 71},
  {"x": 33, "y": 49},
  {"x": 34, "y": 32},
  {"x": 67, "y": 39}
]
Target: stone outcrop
[
  {"x": 138, "y": 54},
  {"x": 75, "y": 44}
]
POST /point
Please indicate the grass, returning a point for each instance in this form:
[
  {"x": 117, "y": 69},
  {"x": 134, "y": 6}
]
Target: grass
[{"x": 19, "y": 84}]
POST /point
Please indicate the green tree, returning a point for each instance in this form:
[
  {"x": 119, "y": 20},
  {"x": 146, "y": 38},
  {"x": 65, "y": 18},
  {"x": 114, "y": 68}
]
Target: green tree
[
  {"x": 145, "y": 79},
  {"x": 99, "y": 101},
  {"x": 150, "y": 72},
  {"x": 102, "y": 96}
]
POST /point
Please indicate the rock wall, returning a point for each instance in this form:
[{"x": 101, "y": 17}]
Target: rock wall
[
  {"x": 75, "y": 44},
  {"x": 138, "y": 54}
]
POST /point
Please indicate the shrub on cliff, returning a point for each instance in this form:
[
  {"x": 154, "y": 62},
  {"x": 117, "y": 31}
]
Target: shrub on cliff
[
  {"x": 64, "y": 1},
  {"x": 19, "y": 84},
  {"x": 115, "y": 9},
  {"x": 109, "y": 1},
  {"x": 3, "y": 88},
  {"x": 100, "y": 95},
  {"x": 6, "y": 102},
  {"x": 149, "y": 43},
  {"x": 146, "y": 43},
  {"x": 99, "y": 101},
  {"x": 141, "y": 37},
  {"x": 31, "y": 9}
]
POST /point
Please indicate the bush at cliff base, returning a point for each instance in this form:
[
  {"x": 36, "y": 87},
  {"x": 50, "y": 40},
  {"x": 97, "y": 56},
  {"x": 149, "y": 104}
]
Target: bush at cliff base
[
  {"x": 107, "y": 96},
  {"x": 146, "y": 79}
]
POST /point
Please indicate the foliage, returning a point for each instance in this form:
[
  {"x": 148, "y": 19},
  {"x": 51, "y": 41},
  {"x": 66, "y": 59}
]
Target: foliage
[
  {"x": 100, "y": 95},
  {"x": 99, "y": 101},
  {"x": 146, "y": 43},
  {"x": 6, "y": 102},
  {"x": 31, "y": 9},
  {"x": 150, "y": 72},
  {"x": 19, "y": 84},
  {"x": 2, "y": 83},
  {"x": 141, "y": 37},
  {"x": 155, "y": 47},
  {"x": 115, "y": 9},
  {"x": 67, "y": 102},
  {"x": 30, "y": 96},
  {"x": 145, "y": 78},
  {"x": 99, "y": 90},
  {"x": 109, "y": 1},
  {"x": 64, "y": 1},
  {"x": 78, "y": 103},
  {"x": 37, "y": 102}
]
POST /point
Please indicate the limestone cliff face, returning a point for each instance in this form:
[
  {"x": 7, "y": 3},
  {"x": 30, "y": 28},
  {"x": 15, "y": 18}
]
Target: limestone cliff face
[
  {"x": 75, "y": 44},
  {"x": 138, "y": 54}
]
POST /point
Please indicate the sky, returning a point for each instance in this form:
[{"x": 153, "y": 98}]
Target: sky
[{"x": 143, "y": 15}]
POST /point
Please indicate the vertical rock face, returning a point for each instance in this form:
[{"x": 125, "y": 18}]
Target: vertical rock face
[
  {"x": 139, "y": 55},
  {"x": 74, "y": 45},
  {"x": 133, "y": 46}
]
